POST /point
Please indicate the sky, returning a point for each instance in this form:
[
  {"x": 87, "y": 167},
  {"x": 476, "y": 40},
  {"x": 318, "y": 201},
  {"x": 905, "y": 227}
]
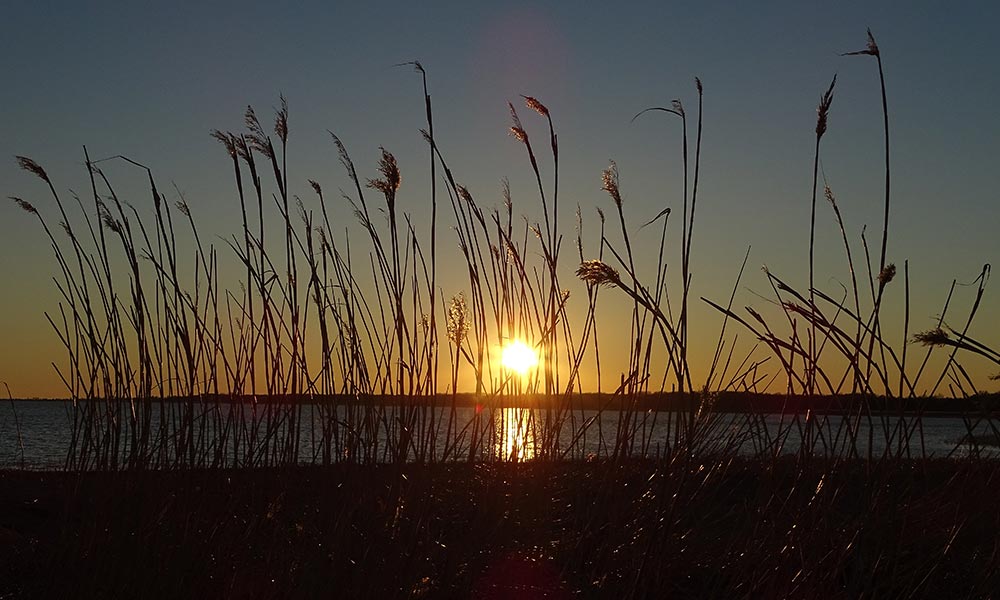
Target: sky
[{"x": 151, "y": 82}]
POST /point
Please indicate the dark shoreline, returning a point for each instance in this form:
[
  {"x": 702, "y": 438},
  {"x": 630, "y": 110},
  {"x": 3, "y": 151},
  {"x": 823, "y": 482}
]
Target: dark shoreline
[
  {"x": 818, "y": 528},
  {"x": 730, "y": 402}
]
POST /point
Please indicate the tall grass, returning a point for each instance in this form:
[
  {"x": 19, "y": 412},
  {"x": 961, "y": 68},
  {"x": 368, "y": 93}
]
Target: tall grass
[{"x": 337, "y": 332}]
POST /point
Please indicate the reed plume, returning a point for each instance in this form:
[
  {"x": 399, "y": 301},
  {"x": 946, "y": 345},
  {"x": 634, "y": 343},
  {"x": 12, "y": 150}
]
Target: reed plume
[
  {"x": 609, "y": 183},
  {"x": 597, "y": 272},
  {"x": 32, "y": 167}
]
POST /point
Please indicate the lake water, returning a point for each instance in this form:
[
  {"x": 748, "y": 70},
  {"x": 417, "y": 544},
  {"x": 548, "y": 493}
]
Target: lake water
[{"x": 46, "y": 429}]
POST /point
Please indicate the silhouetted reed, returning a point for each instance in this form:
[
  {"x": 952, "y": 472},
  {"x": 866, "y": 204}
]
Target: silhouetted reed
[{"x": 334, "y": 338}]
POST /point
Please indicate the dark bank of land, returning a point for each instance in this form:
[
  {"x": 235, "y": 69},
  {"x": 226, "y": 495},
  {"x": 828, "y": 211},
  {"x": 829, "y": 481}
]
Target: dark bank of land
[
  {"x": 735, "y": 402},
  {"x": 731, "y": 528}
]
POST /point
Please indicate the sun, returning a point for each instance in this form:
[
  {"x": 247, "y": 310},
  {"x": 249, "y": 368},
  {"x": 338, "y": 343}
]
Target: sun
[{"x": 518, "y": 357}]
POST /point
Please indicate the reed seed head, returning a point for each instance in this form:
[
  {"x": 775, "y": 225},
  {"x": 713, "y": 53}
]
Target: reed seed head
[
  {"x": 256, "y": 139},
  {"x": 609, "y": 183},
  {"x": 536, "y": 106},
  {"x": 871, "y": 47},
  {"x": 324, "y": 244},
  {"x": 829, "y": 195},
  {"x": 226, "y": 139},
  {"x": 886, "y": 275},
  {"x": 281, "y": 120},
  {"x": 933, "y": 337},
  {"x": 579, "y": 230},
  {"x": 391, "y": 178},
  {"x": 823, "y": 110},
  {"x": 597, "y": 272},
  {"x": 517, "y": 130},
  {"x": 303, "y": 216},
  {"x": 24, "y": 205},
  {"x": 345, "y": 158},
  {"x": 458, "y": 319},
  {"x": 109, "y": 222},
  {"x": 32, "y": 167},
  {"x": 242, "y": 148},
  {"x": 512, "y": 255},
  {"x": 316, "y": 188}
]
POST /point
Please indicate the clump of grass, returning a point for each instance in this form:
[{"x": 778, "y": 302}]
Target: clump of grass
[{"x": 336, "y": 340}]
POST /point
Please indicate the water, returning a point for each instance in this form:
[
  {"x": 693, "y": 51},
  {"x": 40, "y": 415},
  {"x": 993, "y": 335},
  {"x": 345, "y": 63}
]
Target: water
[{"x": 46, "y": 430}]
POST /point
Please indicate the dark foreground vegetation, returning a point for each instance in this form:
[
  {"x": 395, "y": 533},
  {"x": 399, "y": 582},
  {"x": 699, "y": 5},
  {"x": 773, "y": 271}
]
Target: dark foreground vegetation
[{"x": 731, "y": 529}]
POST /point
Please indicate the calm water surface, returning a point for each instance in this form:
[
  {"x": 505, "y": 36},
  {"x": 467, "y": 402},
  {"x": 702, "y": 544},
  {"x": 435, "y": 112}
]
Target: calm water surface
[{"x": 46, "y": 429}]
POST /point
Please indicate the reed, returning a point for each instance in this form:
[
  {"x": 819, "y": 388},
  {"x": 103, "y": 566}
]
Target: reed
[{"x": 338, "y": 346}]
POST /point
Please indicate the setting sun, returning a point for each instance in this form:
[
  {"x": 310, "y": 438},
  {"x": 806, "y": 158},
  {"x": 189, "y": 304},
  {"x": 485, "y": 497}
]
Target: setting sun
[{"x": 518, "y": 357}]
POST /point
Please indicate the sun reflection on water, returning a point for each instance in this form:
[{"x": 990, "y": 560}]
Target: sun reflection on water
[{"x": 515, "y": 438}]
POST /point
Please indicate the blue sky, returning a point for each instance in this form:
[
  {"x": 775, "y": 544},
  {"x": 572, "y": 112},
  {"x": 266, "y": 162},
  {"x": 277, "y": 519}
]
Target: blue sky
[{"x": 150, "y": 82}]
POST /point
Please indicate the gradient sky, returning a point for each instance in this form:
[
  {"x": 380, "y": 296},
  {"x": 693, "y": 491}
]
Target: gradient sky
[{"x": 150, "y": 83}]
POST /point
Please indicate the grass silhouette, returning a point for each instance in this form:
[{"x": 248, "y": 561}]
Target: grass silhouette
[{"x": 184, "y": 391}]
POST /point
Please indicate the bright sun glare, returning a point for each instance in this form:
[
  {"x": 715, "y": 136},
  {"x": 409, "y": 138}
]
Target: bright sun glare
[{"x": 518, "y": 357}]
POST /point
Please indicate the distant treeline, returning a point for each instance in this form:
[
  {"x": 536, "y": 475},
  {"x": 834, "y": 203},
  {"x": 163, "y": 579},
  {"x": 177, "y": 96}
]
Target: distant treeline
[{"x": 722, "y": 402}]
